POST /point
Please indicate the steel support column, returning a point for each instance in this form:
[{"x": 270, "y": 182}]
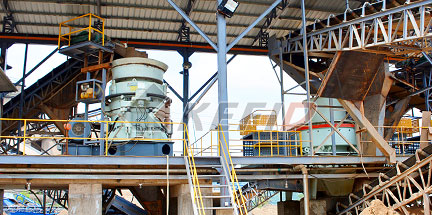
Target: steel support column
[
  {"x": 103, "y": 132},
  {"x": 306, "y": 66},
  {"x": 186, "y": 66},
  {"x": 22, "y": 94},
  {"x": 4, "y": 47},
  {"x": 282, "y": 84},
  {"x": 222, "y": 92}
]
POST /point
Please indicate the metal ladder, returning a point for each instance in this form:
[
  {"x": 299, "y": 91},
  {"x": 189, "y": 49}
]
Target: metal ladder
[{"x": 227, "y": 173}]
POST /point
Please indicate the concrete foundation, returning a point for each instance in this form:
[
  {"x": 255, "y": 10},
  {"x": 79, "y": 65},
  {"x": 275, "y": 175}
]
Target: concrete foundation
[
  {"x": 85, "y": 199},
  {"x": 289, "y": 208},
  {"x": 184, "y": 201},
  {"x": 224, "y": 212},
  {"x": 316, "y": 207}
]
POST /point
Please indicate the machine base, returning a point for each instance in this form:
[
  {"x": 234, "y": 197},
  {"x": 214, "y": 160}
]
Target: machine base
[{"x": 130, "y": 149}]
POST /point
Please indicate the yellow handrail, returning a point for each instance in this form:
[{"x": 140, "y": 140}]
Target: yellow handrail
[
  {"x": 192, "y": 168},
  {"x": 90, "y": 28},
  {"x": 207, "y": 145},
  {"x": 105, "y": 139},
  {"x": 233, "y": 176}
]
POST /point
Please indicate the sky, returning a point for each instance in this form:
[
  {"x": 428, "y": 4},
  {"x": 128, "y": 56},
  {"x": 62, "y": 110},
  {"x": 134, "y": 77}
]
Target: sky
[{"x": 252, "y": 83}]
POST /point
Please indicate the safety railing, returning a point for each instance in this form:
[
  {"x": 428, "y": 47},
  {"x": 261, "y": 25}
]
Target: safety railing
[
  {"x": 74, "y": 29},
  {"x": 63, "y": 138},
  {"x": 197, "y": 195},
  {"x": 404, "y": 139},
  {"x": 274, "y": 142},
  {"x": 256, "y": 119},
  {"x": 239, "y": 199}
]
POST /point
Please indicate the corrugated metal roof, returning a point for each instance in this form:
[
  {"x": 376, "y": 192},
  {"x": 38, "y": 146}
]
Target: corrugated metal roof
[{"x": 157, "y": 20}]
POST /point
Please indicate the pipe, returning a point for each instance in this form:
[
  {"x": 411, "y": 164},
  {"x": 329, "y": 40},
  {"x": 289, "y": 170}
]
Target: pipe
[
  {"x": 305, "y": 187},
  {"x": 167, "y": 190}
]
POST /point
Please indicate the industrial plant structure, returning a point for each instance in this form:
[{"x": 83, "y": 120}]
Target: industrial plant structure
[{"x": 363, "y": 65}]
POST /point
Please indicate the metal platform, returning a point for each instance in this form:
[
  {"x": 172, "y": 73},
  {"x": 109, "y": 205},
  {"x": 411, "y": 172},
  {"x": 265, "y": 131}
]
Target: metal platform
[
  {"x": 59, "y": 171},
  {"x": 78, "y": 50}
]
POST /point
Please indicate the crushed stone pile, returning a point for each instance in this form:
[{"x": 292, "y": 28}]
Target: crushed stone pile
[{"x": 377, "y": 207}]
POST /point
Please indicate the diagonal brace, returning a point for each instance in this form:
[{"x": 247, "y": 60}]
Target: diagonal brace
[
  {"x": 192, "y": 23},
  {"x": 335, "y": 129},
  {"x": 239, "y": 37},
  {"x": 377, "y": 139},
  {"x": 173, "y": 90},
  {"x": 330, "y": 134}
]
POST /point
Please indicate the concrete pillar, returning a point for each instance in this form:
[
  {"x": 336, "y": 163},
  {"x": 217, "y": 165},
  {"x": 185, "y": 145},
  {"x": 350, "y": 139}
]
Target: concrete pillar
[
  {"x": 1, "y": 200},
  {"x": 313, "y": 188},
  {"x": 184, "y": 201},
  {"x": 224, "y": 212},
  {"x": 288, "y": 195},
  {"x": 289, "y": 208},
  {"x": 316, "y": 207},
  {"x": 85, "y": 199},
  {"x": 424, "y": 133}
]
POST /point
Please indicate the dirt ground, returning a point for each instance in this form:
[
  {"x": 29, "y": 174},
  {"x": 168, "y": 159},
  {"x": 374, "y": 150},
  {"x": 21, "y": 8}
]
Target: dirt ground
[{"x": 264, "y": 210}]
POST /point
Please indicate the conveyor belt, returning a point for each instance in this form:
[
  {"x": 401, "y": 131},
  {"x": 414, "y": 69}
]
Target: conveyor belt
[
  {"x": 393, "y": 181},
  {"x": 44, "y": 91}
]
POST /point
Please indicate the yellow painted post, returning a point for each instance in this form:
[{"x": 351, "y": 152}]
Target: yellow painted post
[
  {"x": 70, "y": 30},
  {"x": 59, "y": 39},
  {"x": 219, "y": 142},
  {"x": 301, "y": 144},
  {"x": 259, "y": 144},
  {"x": 106, "y": 139},
  {"x": 271, "y": 143},
  {"x": 277, "y": 141},
  {"x": 24, "y": 140},
  {"x": 103, "y": 32},
  {"x": 90, "y": 28}
]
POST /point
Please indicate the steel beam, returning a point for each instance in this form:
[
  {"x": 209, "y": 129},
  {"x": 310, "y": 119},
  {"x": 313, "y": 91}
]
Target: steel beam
[
  {"x": 37, "y": 66},
  {"x": 347, "y": 36},
  {"x": 164, "y": 8},
  {"x": 306, "y": 70},
  {"x": 238, "y": 38},
  {"x": 138, "y": 43},
  {"x": 427, "y": 57},
  {"x": 179, "y": 161},
  {"x": 377, "y": 139},
  {"x": 210, "y": 84},
  {"x": 173, "y": 90},
  {"x": 192, "y": 23},
  {"x": 22, "y": 96}
]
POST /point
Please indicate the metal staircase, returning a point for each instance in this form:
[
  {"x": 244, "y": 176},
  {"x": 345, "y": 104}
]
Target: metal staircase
[
  {"x": 256, "y": 197},
  {"x": 406, "y": 186},
  {"x": 227, "y": 180}
]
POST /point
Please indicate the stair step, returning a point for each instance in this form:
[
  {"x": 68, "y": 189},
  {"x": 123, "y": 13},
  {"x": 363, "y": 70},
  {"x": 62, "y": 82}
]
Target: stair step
[
  {"x": 218, "y": 208},
  {"x": 215, "y": 197},
  {"x": 209, "y": 166},
  {"x": 211, "y": 186},
  {"x": 211, "y": 176}
]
